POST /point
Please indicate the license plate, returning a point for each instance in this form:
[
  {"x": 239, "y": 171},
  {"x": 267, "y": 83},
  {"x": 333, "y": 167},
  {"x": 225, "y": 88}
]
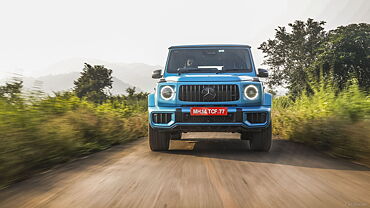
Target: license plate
[{"x": 208, "y": 111}]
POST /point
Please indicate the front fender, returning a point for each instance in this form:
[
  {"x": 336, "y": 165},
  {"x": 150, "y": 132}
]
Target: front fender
[
  {"x": 267, "y": 99},
  {"x": 151, "y": 100}
]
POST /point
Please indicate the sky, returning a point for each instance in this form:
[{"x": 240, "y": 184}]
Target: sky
[{"x": 36, "y": 34}]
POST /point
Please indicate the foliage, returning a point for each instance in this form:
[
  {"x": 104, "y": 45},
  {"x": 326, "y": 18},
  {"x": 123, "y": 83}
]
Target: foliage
[
  {"x": 132, "y": 94},
  {"x": 93, "y": 83},
  {"x": 338, "y": 123},
  {"x": 11, "y": 90},
  {"x": 306, "y": 48},
  {"x": 347, "y": 54},
  {"x": 291, "y": 52},
  {"x": 138, "y": 100},
  {"x": 40, "y": 131}
]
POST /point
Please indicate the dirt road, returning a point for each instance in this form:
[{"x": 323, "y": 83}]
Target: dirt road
[{"x": 200, "y": 173}]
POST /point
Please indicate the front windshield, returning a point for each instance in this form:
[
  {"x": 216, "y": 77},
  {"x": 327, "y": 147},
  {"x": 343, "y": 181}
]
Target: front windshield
[{"x": 209, "y": 60}]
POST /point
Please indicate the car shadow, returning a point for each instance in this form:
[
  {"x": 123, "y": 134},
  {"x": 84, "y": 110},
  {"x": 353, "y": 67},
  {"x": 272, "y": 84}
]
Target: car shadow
[{"x": 283, "y": 152}]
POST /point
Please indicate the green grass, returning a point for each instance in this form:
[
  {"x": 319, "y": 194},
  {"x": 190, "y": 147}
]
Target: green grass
[
  {"x": 38, "y": 132},
  {"x": 332, "y": 121}
]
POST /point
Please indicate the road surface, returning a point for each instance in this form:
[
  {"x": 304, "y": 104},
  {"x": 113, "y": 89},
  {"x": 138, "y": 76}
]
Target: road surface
[{"x": 200, "y": 173}]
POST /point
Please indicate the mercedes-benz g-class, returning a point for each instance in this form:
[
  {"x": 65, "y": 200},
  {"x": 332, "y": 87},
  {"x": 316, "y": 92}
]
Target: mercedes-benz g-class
[{"x": 210, "y": 88}]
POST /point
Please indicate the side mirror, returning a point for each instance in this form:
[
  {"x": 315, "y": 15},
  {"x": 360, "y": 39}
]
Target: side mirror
[
  {"x": 157, "y": 74},
  {"x": 262, "y": 73}
]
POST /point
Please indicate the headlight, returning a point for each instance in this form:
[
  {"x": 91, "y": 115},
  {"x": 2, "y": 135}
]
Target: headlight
[
  {"x": 251, "y": 92},
  {"x": 167, "y": 93}
]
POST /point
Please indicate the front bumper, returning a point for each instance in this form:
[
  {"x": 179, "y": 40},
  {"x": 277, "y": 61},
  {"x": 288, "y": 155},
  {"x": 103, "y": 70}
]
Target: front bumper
[{"x": 239, "y": 122}]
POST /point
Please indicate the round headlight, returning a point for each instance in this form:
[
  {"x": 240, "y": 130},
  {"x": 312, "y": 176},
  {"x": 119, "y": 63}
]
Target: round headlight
[
  {"x": 167, "y": 93},
  {"x": 251, "y": 92}
]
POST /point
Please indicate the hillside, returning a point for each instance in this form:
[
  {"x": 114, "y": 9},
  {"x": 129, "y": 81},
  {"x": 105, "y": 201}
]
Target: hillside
[
  {"x": 60, "y": 76},
  {"x": 64, "y": 82},
  {"x": 135, "y": 74}
]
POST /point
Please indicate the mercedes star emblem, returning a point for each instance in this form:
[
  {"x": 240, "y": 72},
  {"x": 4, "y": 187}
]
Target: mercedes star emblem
[{"x": 208, "y": 93}]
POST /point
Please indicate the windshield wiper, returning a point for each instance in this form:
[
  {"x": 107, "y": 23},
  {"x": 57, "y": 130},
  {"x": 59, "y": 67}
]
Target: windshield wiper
[
  {"x": 239, "y": 70},
  {"x": 197, "y": 70}
]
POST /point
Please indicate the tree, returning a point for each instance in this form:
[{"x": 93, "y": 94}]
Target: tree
[
  {"x": 94, "y": 83},
  {"x": 11, "y": 90},
  {"x": 131, "y": 91},
  {"x": 290, "y": 53},
  {"x": 346, "y": 54},
  {"x": 133, "y": 95}
]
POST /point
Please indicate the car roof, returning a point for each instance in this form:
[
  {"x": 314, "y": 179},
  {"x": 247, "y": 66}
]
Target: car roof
[{"x": 211, "y": 46}]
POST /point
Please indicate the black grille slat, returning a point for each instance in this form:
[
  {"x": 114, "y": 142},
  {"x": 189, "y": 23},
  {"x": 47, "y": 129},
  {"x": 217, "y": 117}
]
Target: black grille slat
[
  {"x": 224, "y": 93},
  {"x": 191, "y": 90},
  {"x": 186, "y": 93},
  {"x": 182, "y": 93},
  {"x": 229, "y": 88},
  {"x": 199, "y": 97},
  {"x": 231, "y": 92},
  {"x": 234, "y": 91}
]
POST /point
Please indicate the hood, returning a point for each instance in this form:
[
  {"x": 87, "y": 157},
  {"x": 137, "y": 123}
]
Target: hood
[{"x": 209, "y": 78}]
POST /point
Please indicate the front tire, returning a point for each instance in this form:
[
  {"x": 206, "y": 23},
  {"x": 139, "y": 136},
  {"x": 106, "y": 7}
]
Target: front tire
[
  {"x": 158, "y": 141},
  {"x": 262, "y": 141}
]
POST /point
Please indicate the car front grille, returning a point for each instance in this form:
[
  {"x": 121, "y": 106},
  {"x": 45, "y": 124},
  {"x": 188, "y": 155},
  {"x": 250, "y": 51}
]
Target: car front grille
[
  {"x": 187, "y": 118},
  {"x": 161, "y": 118},
  {"x": 258, "y": 117},
  {"x": 209, "y": 93}
]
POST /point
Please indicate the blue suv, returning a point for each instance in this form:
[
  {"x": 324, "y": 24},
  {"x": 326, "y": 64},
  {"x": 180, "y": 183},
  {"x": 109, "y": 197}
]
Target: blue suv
[{"x": 210, "y": 88}]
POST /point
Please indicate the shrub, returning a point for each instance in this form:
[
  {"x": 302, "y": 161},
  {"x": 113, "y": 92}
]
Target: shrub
[
  {"x": 38, "y": 132},
  {"x": 337, "y": 122}
]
